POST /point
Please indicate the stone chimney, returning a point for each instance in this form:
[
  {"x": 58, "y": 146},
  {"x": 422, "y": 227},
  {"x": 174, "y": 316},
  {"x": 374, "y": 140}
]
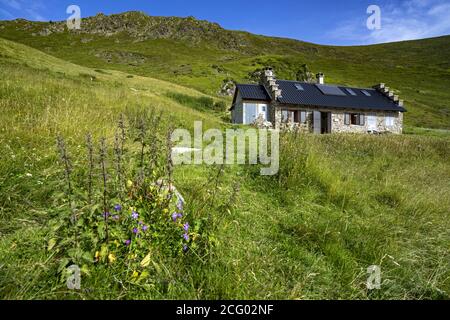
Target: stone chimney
[
  {"x": 320, "y": 78},
  {"x": 269, "y": 81},
  {"x": 389, "y": 94}
]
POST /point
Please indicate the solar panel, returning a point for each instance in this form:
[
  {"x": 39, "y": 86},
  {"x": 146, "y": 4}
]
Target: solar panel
[
  {"x": 366, "y": 93},
  {"x": 299, "y": 86},
  {"x": 353, "y": 93},
  {"x": 330, "y": 90}
]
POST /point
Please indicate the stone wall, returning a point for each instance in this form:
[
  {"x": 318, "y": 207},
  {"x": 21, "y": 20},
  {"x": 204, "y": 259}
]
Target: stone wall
[
  {"x": 338, "y": 124},
  {"x": 290, "y": 125},
  {"x": 337, "y": 120}
]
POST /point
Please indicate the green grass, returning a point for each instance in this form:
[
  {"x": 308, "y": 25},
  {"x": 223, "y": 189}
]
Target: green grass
[
  {"x": 427, "y": 131},
  {"x": 339, "y": 204}
]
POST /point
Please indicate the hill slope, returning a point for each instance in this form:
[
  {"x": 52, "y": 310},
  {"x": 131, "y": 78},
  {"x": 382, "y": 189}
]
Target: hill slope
[
  {"x": 202, "y": 55},
  {"x": 310, "y": 232}
]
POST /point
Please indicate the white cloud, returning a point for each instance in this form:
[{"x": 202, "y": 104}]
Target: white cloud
[
  {"x": 4, "y": 14},
  {"x": 29, "y": 9},
  {"x": 12, "y": 3},
  {"x": 440, "y": 10},
  {"x": 35, "y": 15},
  {"x": 411, "y": 19}
]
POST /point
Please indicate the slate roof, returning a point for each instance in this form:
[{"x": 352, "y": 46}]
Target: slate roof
[
  {"x": 312, "y": 96},
  {"x": 253, "y": 92}
]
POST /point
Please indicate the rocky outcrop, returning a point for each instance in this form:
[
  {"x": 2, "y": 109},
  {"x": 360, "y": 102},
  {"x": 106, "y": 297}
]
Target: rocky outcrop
[
  {"x": 141, "y": 27},
  {"x": 123, "y": 57},
  {"x": 227, "y": 88}
]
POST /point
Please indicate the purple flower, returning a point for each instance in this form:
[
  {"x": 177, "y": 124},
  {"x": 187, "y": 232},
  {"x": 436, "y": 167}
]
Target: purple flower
[
  {"x": 179, "y": 215},
  {"x": 185, "y": 248},
  {"x": 105, "y": 214},
  {"x": 118, "y": 207},
  {"x": 174, "y": 216},
  {"x": 186, "y": 237},
  {"x": 128, "y": 242},
  {"x": 186, "y": 227},
  {"x": 135, "y": 215},
  {"x": 144, "y": 228},
  {"x": 135, "y": 230},
  {"x": 116, "y": 217},
  {"x": 180, "y": 205}
]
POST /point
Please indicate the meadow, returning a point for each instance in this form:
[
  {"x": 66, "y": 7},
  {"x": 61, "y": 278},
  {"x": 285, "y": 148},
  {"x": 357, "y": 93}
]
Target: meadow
[{"x": 339, "y": 203}]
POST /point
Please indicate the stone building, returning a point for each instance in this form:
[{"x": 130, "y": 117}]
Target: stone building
[{"x": 317, "y": 107}]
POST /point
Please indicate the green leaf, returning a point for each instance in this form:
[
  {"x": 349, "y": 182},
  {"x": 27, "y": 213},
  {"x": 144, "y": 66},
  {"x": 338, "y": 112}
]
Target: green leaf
[
  {"x": 144, "y": 275},
  {"x": 157, "y": 267},
  {"x": 51, "y": 244},
  {"x": 62, "y": 265},
  {"x": 85, "y": 270},
  {"x": 146, "y": 261},
  {"x": 87, "y": 256}
]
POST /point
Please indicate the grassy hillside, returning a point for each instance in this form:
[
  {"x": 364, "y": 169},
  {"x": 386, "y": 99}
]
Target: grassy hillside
[
  {"x": 201, "y": 55},
  {"x": 310, "y": 232}
]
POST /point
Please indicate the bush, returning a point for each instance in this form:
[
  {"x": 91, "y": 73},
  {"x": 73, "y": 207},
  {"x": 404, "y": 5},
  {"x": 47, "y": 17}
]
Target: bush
[
  {"x": 220, "y": 106},
  {"x": 126, "y": 218}
]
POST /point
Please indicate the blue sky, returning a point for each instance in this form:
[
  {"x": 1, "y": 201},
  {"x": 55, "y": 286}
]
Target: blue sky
[{"x": 338, "y": 22}]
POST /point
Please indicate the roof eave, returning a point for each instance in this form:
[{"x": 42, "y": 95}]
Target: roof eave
[{"x": 398, "y": 109}]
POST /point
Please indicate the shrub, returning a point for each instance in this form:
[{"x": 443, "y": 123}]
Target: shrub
[
  {"x": 127, "y": 216},
  {"x": 220, "y": 105}
]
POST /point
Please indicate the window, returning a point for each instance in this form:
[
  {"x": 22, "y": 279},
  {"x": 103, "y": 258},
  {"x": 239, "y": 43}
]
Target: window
[
  {"x": 389, "y": 120},
  {"x": 350, "y": 91},
  {"x": 354, "y": 119},
  {"x": 302, "y": 116},
  {"x": 284, "y": 115},
  {"x": 250, "y": 112},
  {"x": 372, "y": 122},
  {"x": 299, "y": 87},
  {"x": 296, "y": 116},
  {"x": 330, "y": 90},
  {"x": 287, "y": 116},
  {"x": 366, "y": 93}
]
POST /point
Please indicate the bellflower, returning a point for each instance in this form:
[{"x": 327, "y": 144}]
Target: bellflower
[
  {"x": 186, "y": 237},
  {"x": 186, "y": 227},
  {"x": 128, "y": 242},
  {"x": 118, "y": 207},
  {"x": 135, "y": 215},
  {"x": 180, "y": 205}
]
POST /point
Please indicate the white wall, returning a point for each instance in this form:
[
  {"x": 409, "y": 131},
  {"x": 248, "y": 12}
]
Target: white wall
[
  {"x": 256, "y": 108},
  {"x": 239, "y": 112}
]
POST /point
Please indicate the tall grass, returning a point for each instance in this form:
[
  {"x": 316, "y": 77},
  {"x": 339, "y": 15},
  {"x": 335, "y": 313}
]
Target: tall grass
[{"x": 338, "y": 204}]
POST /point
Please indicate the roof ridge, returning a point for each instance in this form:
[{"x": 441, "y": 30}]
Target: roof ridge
[{"x": 327, "y": 84}]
